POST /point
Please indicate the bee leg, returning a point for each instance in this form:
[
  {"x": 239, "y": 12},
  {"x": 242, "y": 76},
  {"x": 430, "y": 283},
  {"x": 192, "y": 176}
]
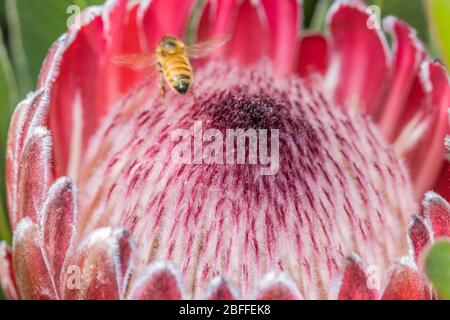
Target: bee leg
[{"x": 162, "y": 87}]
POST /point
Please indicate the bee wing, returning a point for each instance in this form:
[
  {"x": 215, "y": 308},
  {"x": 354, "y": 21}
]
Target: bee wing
[
  {"x": 205, "y": 48},
  {"x": 136, "y": 61}
]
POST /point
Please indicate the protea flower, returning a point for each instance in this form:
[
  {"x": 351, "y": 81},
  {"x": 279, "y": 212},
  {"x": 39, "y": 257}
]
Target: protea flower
[{"x": 100, "y": 210}]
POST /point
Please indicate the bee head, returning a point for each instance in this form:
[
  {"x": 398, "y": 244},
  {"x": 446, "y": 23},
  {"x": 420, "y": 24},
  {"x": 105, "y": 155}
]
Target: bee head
[{"x": 170, "y": 45}]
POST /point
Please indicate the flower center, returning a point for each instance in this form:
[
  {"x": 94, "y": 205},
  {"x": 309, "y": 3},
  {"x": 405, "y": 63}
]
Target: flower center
[
  {"x": 257, "y": 174},
  {"x": 236, "y": 109}
]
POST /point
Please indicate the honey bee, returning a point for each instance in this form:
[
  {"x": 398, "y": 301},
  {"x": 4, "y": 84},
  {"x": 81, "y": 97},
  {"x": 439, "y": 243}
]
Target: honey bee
[{"x": 171, "y": 59}]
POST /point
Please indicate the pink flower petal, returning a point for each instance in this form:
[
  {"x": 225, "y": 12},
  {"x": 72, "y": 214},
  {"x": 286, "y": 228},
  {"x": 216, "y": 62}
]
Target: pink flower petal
[
  {"x": 284, "y": 19},
  {"x": 58, "y": 223},
  {"x": 408, "y": 55},
  {"x": 245, "y": 22},
  {"x": 129, "y": 79},
  {"x": 443, "y": 185},
  {"x": 74, "y": 95},
  {"x": 354, "y": 284},
  {"x": 277, "y": 287},
  {"x": 313, "y": 55},
  {"x": 28, "y": 115},
  {"x": 47, "y": 69},
  {"x": 220, "y": 289},
  {"x": 34, "y": 116},
  {"x": 123, "y": 34},
  {"x": 359, "y": 61},
  {"x": 100, "y": 270},
  {"x": 407, "y": 283},
  {"x": 165, "y": 17},
  {"x": 437, "y": 210},
  {"x": 419, "y": 236},
  {"x": 33, "y": 279},
  {"x": 84, "y": 81},
  {"x": 34, "y": 174},
  {"x": 249, "y": 28},
  {"x": 413, "y": 122},
  {"x": 12, "y": 159},
  {"x": 159, "y": 282},
  {"x": 7, "y": 277},
  {"x": 215, "y": 18},
  {"x": 424, "y": 126},
  {"x": 415, "y": 119},
  {"x": 429, "y": 153}
]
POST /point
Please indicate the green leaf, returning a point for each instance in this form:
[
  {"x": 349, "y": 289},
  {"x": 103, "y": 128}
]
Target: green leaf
[
  {"x": 308, "y": 12},
  {"x": 319, "y": 16},
  {"x": 439, "y": 19},
  {"x": 33, "y": 26},
  {"x": 191, "y": 34},
  {"x": 2, "y": 13},
  {"x": 8, "y": 98},
  {"x": 437, "y": 265}
]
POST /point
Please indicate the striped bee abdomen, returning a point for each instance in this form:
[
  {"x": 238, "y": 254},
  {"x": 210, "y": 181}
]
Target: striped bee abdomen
[{"x": 178, "y": 72}]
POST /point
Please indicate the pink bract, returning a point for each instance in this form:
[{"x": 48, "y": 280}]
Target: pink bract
[{"x": 99, "y": 210}]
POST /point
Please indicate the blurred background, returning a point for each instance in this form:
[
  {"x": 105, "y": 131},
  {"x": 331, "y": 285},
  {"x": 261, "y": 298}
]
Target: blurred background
[{"x": 29, "y": 27}]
